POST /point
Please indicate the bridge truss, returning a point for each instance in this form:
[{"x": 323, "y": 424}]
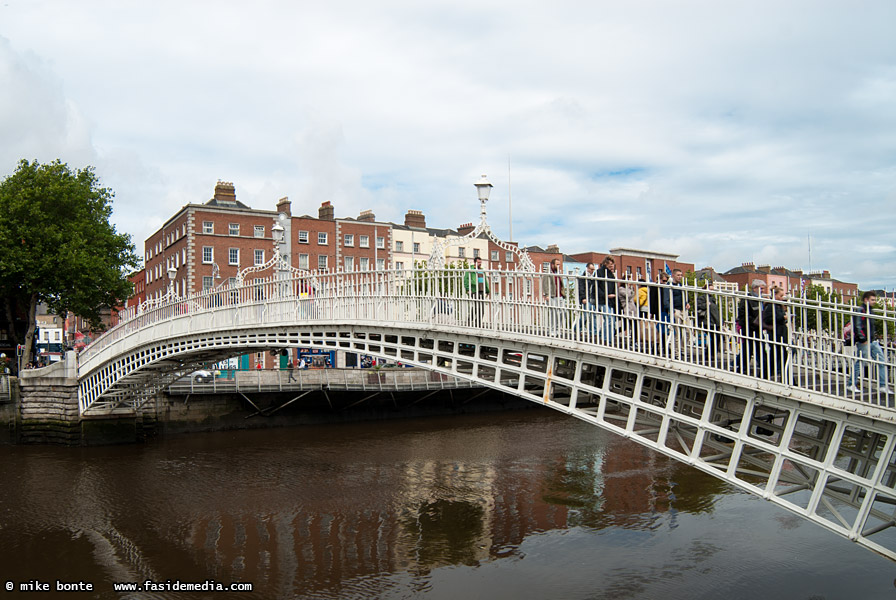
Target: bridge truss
[{"x": 794, "y": 437}]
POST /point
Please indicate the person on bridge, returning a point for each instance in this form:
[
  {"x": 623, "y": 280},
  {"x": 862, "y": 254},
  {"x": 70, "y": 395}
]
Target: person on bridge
[
  {"x": 709, "y": 320},
  {"x": 291, "y": 367},
  {"x": 655, "y": 310},
  {"x": 553, "y": 291},
  {"x": 587, "y": 294},
  {"x": 749, "y": 325},
  {"x": 774, "y": 322},
  {"x": 476, "y": 285},
  {"x": 864, "y": 334},
  {"x": 675, "y": 305},
  {"x": 606, "y": 298}
]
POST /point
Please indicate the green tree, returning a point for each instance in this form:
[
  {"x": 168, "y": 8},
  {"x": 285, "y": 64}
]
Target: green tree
[{"x": 58, "y": 247}]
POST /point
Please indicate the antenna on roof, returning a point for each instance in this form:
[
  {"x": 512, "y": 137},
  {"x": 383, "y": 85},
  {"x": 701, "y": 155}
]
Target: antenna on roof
[{"x": 509, "y": 200}]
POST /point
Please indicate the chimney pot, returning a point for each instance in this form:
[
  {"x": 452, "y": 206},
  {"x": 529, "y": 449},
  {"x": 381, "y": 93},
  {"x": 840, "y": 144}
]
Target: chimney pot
[{"x": 415, "y": 218}]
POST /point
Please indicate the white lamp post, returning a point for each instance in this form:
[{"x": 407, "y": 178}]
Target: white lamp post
[
  {"x": 172, "y": 273},
  {"x": 277, "y": 232},
  {"x": 483, "y": 188}
]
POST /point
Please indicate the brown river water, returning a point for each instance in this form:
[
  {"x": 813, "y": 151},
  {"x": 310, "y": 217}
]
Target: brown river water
[{"x": 520, "y": 504}]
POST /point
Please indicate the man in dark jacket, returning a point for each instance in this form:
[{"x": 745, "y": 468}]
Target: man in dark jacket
[
  {"x": 749, "y": 326},
  {"x": 606, "y": 298},
  {"x": 864, "y": 334},
  {"x": 587, "y": 294},
  {"x": 774, "y": 322},
  {"x": 709, "y": 320}
]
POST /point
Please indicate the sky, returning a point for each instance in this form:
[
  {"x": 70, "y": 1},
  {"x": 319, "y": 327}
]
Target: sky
[{"x": 724, "y": 132}]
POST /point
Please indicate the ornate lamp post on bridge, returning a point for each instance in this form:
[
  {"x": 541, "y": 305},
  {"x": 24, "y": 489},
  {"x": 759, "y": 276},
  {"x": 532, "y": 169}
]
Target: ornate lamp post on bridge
[
  {"x": 172, "y": 273},
  {"x": 483, "y": 188}
]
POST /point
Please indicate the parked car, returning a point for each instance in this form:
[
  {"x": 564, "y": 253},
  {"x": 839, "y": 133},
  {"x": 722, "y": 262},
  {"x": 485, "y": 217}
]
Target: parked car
[{"x": 200, "y": 376}]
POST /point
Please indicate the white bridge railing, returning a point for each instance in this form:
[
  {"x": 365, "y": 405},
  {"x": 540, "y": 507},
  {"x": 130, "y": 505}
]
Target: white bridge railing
[{"x": 797, "y": 342}]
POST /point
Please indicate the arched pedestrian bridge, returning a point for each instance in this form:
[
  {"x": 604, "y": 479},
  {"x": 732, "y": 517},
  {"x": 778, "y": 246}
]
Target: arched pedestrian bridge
[{"x": 766, "y": 410}]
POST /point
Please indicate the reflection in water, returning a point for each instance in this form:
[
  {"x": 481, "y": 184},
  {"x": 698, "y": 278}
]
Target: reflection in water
[{"x": 524, "y": 505}]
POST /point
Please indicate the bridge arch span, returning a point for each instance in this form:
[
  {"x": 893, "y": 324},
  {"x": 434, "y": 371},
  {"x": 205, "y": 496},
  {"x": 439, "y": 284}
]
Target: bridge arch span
[{"x": 830, "y": 459}]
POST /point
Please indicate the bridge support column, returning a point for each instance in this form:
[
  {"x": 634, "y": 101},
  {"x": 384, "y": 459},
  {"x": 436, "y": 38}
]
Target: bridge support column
[{"x": 47, "y": 411}]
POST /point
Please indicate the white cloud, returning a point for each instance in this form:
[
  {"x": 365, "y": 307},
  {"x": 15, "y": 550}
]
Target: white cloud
[{"x": 724, "y": 132}]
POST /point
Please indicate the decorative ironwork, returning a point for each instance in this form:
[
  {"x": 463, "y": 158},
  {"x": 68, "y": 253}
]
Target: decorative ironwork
[{"x": 437, "y": 256}]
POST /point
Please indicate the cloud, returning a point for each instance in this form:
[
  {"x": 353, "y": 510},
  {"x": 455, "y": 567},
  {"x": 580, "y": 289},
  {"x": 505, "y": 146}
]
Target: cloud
[{"x": 723, "y": 132}]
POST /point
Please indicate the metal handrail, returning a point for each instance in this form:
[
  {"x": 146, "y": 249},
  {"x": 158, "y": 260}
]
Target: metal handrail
[{"x": 807, "y": 353}]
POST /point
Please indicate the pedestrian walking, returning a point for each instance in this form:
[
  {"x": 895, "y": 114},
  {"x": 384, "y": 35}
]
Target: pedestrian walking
[
  {"x": 475, "y": 282},
  {"x": 553, "y": 291}
]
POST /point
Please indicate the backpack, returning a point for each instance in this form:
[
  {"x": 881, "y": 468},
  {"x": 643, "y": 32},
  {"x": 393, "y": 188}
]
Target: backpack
[{"x": 848, "y": 334}]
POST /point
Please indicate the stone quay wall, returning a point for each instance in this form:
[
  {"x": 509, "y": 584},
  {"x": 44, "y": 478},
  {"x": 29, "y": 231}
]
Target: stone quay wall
[{"x": 42, "y": 406}]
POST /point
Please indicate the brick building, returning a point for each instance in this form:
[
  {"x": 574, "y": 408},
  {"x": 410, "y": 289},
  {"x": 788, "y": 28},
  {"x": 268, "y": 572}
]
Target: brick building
[
  {"x": 363, "y": 244},
  {"x": 637, "y": 264},
  {"x": 794, "y": 281}
]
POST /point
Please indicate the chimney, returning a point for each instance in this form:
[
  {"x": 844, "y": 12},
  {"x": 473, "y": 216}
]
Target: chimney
[
  {"x": 826, "y": 274},
  {"x": 415, "y": 218},
  {"x": 553, "y": 249},
  {"x": 798, "y": 272},
  {"x": 284, "y": 206},
  {"x": 465, "y": 228},
  {"x": 764, "y": 268},
  {"x": 225, "y": 192},
  {"x": 326, "y": 211},
  {"x": 367, "y": 216},
  {"x": 747, "y": 265}
]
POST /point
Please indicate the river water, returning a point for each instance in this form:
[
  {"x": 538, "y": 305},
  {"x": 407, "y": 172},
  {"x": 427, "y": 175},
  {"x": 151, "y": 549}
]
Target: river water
[{"x": 521, "y": 504}]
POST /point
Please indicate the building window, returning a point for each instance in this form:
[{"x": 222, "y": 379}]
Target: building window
[
  {"x": 233, "y": 256},
  {"x": 639, "y": 272},
  {"x": 303, "y": 261},
  {"x": 259, "y": 257},
  {"x": 208, "y": 255},
  {"x": 364, "y": 241},
  {"x": 380, "y": 242},
  {"x": 461, "y": 252},
  {"x": 380, "y": 264},
  {"x": 475, "y": 252},
  {"x": 303, "y": 237},
  {"x": 545, "y": 267},
  {"x": 322, "y": 261},
  {"x": 259, "y": 231},
  {"x": 322, "y": 239},
  {"x": 233, "y": 229},
  {"x": 628, "y": 271},
  {"x": 364, "y": 263},
  {"x": 508, "y": 257},
  {"x": 416, "y": 247},
  {"x": 349, "y": 240},
  {"x": 207, "y": 283},
  {"x": 494, "y": 256},
  {"x": 349, "y": 263},
  {"x": 208, "y": 227},
  {"x": 399, "y": 266},
  {"x": 399, "y": 246}
]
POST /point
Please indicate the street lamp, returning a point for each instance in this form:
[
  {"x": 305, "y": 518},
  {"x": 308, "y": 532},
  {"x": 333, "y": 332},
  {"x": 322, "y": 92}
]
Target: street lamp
[
  {"x": 277, "y": 232},
  {"x": 483, "y": 187},
  {"x": 172, "y": 273}
]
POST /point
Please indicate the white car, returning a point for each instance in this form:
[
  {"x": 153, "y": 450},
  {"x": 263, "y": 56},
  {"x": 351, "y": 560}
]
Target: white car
[{"x": 200, "y": 376}]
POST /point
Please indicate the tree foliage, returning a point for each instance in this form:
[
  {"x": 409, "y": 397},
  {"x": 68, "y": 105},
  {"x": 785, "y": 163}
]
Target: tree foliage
[{"x": 57, "y": 245}]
